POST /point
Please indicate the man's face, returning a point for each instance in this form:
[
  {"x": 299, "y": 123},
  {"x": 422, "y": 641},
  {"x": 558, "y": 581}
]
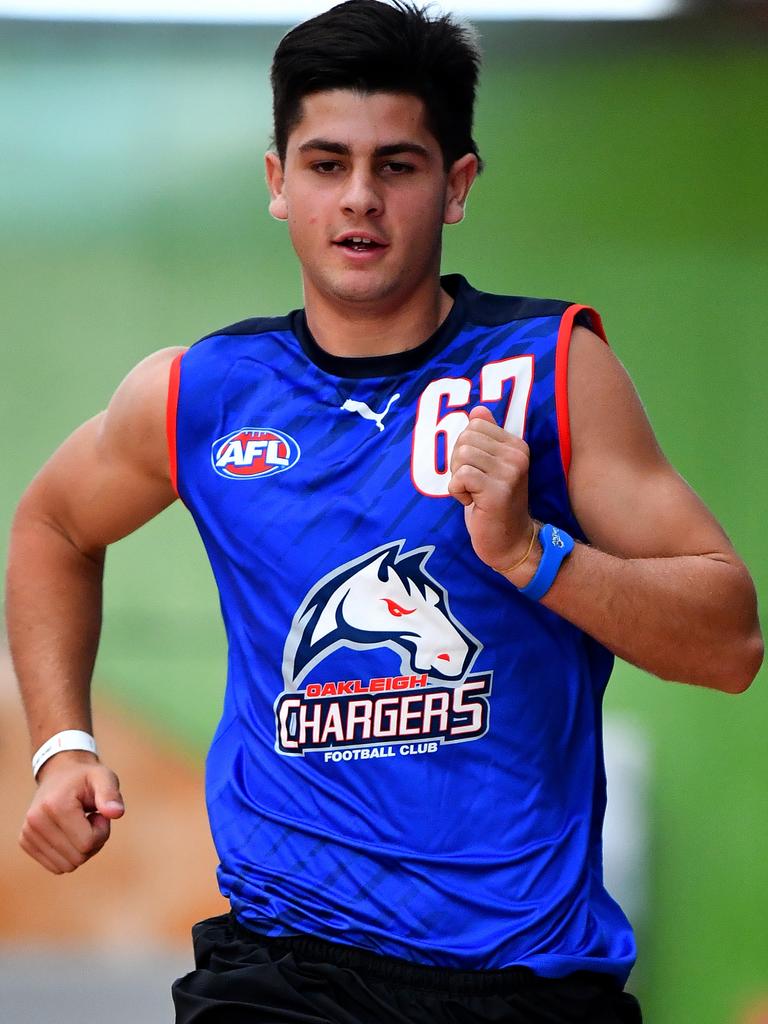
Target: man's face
[{"x": 365, "y": 194}]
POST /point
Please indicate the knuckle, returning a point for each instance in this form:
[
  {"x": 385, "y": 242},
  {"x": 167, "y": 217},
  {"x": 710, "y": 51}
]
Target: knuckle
[
  {"x": 509, "y": 474},
  {"x": 460, "y": 450},
  {"x": 26, "y": 839},
  {"x": 514, "y": 465},
  {"x": 509, "y": 450},
  {"x": 35, "y": 820},
  {"x": 457, "y": 490}
]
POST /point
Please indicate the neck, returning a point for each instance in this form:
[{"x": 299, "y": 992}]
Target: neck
[{"x": 350, "y": 328}]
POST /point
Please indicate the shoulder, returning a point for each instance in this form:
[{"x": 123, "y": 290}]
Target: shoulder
[
  {"x": 494, "y": 310},
  {"x": 137, "y": 412},
  {"x": 250, "y": 327},
  {"x": 111, "y": 474},
  {"x": 213, "y": 355},
  {"x": 143, "y": 392},
  {"x": 608, "y": 424},
  {"x": 603, "y": 403}
]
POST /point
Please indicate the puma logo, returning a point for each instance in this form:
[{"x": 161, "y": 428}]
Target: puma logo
[{"x": 366, "y": 412}]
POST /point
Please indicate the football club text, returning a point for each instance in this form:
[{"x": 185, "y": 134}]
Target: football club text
[{"x": 351, "y": 713}]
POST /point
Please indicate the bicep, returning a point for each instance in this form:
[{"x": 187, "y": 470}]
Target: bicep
[
  {"x": 111, "y": 475},
  {"x": 626, "y": 496}
]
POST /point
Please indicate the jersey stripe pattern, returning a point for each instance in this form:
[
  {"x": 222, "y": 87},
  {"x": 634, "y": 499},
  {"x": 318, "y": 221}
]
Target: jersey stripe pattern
[{"x": 409, "y": 758}]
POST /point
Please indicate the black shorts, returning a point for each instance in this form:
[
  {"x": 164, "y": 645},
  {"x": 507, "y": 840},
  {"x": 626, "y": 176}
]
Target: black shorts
[{"x": 244, "y": 978}]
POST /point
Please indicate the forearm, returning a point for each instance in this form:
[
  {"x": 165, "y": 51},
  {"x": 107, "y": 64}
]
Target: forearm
[
  {"x": 54, "y": 617},
  {"x": 689, "y": 618}
]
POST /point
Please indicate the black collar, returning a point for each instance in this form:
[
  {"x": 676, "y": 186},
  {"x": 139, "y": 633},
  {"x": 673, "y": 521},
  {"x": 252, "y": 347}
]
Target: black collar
[{"x": 397, "y": 362}]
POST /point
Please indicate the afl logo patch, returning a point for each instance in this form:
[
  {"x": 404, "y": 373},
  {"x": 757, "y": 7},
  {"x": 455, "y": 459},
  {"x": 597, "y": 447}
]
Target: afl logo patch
[{"x": 254, "y": 452}]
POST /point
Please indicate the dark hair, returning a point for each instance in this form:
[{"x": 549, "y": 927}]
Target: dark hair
[{"x": 372, "y": 46}]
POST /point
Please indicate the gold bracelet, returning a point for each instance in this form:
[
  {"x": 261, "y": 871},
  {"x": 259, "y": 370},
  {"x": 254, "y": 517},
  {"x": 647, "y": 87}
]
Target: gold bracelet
[{"x": 526, "y": 556}]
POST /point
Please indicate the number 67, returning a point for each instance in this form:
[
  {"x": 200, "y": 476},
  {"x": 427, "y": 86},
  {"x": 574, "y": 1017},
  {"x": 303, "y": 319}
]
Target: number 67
[{"x": 434, "y": 435}]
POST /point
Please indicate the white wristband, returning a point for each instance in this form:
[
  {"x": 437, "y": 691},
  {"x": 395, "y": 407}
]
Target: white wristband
[{"x": 69, "y": 739}]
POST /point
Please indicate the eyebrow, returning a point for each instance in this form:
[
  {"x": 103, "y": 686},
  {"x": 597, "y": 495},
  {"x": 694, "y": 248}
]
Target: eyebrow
[{"x": 340, "y": 149}]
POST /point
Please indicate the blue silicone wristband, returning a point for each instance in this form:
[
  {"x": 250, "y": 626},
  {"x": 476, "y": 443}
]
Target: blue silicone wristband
[{"x": 556, "y": 545}]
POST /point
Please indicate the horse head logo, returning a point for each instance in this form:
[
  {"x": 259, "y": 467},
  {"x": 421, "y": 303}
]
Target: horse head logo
[{"x": 381, "y": 599}]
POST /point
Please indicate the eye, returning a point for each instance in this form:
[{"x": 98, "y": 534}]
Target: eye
[
  {"x": 326, "y": 166},
  {"x": 395, "y": 609},
  {"x": 398, "y": 168}
]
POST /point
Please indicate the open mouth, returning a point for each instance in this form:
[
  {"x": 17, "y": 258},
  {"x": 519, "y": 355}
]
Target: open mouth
[{"x": 360, "y": 243}]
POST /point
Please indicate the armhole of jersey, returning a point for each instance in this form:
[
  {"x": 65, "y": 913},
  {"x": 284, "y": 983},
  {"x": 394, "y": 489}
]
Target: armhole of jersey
[
  {"x": 561, "y": 375},
  {"x": 171, "y": 414}
]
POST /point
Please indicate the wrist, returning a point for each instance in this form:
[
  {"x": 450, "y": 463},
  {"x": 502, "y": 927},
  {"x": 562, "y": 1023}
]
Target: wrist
[
  {"x": 68, "y": 741},
  {"x": 523, "y": 567},
  {"x": 555, "y": 545},
  {"x": 65, "y": 759}
]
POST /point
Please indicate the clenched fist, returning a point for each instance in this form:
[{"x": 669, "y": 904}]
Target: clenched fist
[
  {"x": 69, "y": 818},
  {"x": 489, "y": 476}
]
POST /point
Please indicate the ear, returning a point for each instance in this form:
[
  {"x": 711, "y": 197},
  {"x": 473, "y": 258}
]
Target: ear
[
  {"x": 278, "y": 206},
  {"x": 461, "y": 174}
]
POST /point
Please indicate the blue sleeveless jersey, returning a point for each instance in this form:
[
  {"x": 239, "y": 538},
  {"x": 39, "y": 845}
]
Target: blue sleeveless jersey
[{"x": 409, "y": 758}]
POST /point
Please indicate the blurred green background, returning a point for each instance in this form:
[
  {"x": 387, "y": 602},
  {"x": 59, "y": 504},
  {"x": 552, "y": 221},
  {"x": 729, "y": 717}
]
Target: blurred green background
[{"x": 625, "y": 168}]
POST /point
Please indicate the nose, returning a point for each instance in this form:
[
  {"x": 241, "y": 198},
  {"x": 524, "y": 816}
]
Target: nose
[{"x": 361, "y": 195}]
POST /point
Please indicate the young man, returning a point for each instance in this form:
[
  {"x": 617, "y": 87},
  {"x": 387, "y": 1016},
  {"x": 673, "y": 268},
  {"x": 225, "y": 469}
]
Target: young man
[{"x": 406, "y": 788}]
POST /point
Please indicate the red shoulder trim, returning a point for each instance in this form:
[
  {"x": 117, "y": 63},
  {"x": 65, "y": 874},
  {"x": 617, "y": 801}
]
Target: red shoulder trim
[
  {"x": 561, "y": 376},
  {"x": 171, "y": 411}
]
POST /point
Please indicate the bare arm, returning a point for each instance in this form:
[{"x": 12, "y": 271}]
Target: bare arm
[
  {"x": 105, "y": 481},
  {"x": 659, "y": 584}
]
